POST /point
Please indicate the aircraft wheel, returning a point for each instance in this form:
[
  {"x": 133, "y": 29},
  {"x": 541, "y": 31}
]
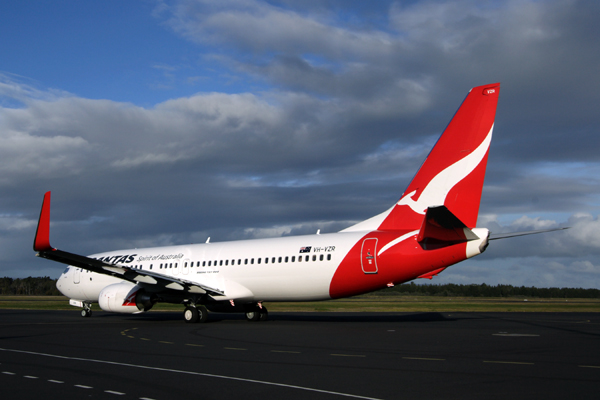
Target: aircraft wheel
[
  {"x": 86, "y": 313},
  {"x": 190, "y": 314},
  {"x": 253, "y": 315},
  {"x": 264, "y": 314},
  {"x": 202, "y": 313}
]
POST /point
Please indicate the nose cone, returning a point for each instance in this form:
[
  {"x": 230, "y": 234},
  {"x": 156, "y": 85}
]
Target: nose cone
[
  {"x": 60, "y": 283},
  {"x": 65, "y": 285}
]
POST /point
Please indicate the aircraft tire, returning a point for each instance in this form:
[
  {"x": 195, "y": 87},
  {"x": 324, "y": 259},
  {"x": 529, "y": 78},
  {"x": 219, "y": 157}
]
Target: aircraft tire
[
  {"x": 202, "y": 313},
  {"x": 253, "y": 315},
  {"x": 191, "y": 314},
  {"x": 263, "y": 314},
  {"x": 86, "y": 313}
]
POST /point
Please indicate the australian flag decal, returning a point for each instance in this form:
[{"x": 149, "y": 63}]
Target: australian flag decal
[{"x": 305, "y": 249}]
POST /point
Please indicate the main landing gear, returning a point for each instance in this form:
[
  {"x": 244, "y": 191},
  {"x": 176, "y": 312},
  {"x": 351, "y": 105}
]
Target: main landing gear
[
  {"x": 194, "y": 313},
  {"x": 258, "y": 313},
  {"x": 198, "y": 313}
]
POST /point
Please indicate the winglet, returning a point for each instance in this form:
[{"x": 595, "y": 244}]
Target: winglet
[{"x": 42, "y": 234}]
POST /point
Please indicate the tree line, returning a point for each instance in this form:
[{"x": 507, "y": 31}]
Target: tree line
[
  {"x": 32, "y": 286},
  {"x": 45, "y": 286},
  {"x": 483, "y": 290}
]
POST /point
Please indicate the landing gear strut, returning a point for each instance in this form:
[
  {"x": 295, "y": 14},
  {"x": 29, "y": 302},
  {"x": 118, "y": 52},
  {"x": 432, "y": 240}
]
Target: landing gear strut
[
  {"x": 193, "y": 313},
  {"x": 87, "y": 310}
]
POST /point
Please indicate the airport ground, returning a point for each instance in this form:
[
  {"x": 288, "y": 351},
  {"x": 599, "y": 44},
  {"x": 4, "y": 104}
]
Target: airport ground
[
  {"x": 365, "y": 303},
  {"x": 56, "y": 354}
]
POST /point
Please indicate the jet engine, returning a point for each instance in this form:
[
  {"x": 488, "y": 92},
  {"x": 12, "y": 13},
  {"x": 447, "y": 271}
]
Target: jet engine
[{"x": 126, "y": 297}]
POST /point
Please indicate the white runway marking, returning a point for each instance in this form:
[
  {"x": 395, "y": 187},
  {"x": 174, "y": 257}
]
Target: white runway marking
[
  {"x": 515, "y": 334},
  {"x": 233, "y": 378}
]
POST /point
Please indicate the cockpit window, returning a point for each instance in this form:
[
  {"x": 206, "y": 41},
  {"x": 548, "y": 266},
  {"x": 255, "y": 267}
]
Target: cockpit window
[{"x": 66, "y": 270}]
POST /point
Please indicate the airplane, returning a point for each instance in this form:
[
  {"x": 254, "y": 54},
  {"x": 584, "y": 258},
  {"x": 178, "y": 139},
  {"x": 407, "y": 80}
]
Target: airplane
[{"x": 430, "y": 228}]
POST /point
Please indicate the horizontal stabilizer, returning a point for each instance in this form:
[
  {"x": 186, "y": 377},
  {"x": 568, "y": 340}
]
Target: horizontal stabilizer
[
  {"x": 431, "y": 274},
  {"x": 441, "y": 228}
]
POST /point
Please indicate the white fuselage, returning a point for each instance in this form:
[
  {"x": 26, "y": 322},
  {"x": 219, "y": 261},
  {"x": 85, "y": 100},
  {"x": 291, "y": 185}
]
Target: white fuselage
[{"x": 250, "y": 270}]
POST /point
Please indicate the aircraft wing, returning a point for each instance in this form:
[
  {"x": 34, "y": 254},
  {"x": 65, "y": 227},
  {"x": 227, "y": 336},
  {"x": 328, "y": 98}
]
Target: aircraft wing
[{"x": 41, "y": 245}]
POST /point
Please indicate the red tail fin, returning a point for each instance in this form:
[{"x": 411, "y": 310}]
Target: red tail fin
[{"x": 453, "y": 173}]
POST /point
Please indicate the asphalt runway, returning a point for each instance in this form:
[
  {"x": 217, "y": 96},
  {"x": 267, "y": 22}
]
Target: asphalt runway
[{"x": 59, "y": 355}]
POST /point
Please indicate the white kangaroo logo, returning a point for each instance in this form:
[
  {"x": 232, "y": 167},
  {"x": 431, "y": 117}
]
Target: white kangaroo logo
[{"x": 438, "y": 188}]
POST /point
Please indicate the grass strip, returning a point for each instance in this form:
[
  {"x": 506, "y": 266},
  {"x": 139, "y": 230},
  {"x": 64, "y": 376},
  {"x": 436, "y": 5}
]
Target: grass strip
[{"x": 363, "y": 303}]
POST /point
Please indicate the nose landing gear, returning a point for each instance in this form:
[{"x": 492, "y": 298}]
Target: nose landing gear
[{"x": 86, "y": 312}]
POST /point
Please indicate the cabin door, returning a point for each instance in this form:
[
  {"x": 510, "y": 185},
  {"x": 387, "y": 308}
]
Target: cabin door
[{"x": 368, "y": 256}]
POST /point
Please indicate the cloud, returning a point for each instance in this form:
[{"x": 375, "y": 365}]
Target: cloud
[{"x": 349, "y": 101}]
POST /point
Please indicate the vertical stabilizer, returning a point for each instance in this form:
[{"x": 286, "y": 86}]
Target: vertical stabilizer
[{"x": 453, "y": 173}]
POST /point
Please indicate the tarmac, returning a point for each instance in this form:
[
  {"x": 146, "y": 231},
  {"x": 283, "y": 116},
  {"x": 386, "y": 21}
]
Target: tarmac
[{"x": 156, "y": 355}]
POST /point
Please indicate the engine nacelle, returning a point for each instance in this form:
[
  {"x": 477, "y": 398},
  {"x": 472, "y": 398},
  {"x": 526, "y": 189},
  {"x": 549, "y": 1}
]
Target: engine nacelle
[{"x": 125, "y": 297}]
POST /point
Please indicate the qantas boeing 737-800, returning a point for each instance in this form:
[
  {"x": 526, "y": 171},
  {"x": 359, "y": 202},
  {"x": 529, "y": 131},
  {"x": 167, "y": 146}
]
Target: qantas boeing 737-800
[{"x": 431, "y": 227}]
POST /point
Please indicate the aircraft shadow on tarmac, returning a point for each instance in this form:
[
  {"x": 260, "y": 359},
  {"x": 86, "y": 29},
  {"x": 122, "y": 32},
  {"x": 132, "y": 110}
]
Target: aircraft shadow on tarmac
[{"x": 296, "y": 317}]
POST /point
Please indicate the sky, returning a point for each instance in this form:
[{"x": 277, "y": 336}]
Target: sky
[{"x": 166, "y": 122}]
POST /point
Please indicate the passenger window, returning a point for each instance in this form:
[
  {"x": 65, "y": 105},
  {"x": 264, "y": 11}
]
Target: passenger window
[
  {"x": 328, "y": 257},
  {"x": 226, "y": 262},
  {"x": 210, "y": 262},
  {"x": 299, "y": 258},
  {"x": 293, "y": 258},
  {"x": 239, "y": 261},
  {"x": 279, "y": 260},
  {"x": 306, "y": 258},
  {"x": 252, "y": 261},
  {"x": 321, "y": 257},
  {"x": 258, "y": 262},
  {"x": 273, "y": 260},
  {"x": 150, "y": 266},
  {"x": 314, "y": 258},
  {"x": 286, "y": 259},
  {"x": 221, "y": 263},
  {"x": 246, "y": 261}
]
